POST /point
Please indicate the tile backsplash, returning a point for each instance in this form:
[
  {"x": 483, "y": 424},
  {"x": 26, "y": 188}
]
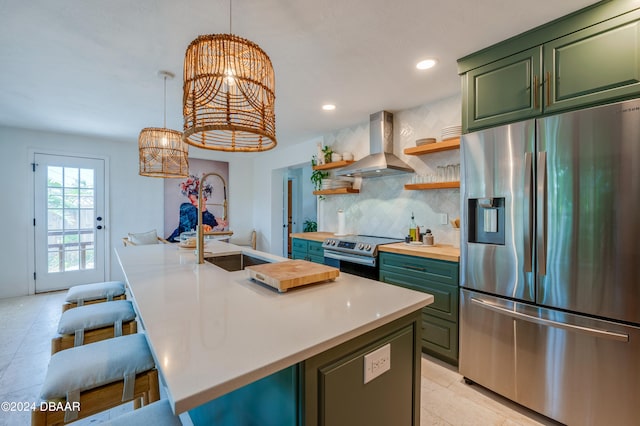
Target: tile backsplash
[{"x": 383, "y": 207}]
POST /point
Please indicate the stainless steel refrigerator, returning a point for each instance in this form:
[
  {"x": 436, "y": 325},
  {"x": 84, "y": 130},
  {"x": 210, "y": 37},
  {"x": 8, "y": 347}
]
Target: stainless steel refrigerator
[{"x": 550, "y": 264}]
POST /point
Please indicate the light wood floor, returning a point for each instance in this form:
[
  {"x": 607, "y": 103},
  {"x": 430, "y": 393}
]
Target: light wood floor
[{"x": 28, "y": 323}]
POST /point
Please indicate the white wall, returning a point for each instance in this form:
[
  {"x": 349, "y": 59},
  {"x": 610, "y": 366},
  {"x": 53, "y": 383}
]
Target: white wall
[
  {"x": 270, "y": 170},
  {"x": 136, "y": 202},
  {"x": 309, "y": 209}
]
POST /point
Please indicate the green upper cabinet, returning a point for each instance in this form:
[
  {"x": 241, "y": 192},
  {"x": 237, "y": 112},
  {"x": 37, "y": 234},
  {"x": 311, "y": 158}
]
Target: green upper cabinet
[
  {"x": 505, "y": 90},
  {"x": 587, "y": 58},
  {"x": 593, "y": 65}
]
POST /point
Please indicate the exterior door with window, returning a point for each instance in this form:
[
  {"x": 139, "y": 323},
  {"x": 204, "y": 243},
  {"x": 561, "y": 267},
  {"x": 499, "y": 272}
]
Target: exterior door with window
[{"x": 69, "y": 221}]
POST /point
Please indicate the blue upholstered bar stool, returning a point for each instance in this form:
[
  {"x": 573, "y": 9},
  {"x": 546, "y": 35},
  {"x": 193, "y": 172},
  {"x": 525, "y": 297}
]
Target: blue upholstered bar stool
[
  {"x": 157, "y": 414},
  {"x": 92, "y": 323},
  {"x": 86, "y": 294},
  {"x": 96, "y": 377}
]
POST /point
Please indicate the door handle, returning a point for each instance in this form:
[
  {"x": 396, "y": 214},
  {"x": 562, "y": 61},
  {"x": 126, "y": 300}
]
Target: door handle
[
  {"x": 99, "y": 227},
  {"x": 528, "y": 211},
  {"x": 542, "y": 213},
  {"x": 611, "y": 335}
]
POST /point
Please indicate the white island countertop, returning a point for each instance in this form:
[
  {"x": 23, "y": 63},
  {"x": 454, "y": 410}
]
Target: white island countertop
[{"x": 213, "y": 331}]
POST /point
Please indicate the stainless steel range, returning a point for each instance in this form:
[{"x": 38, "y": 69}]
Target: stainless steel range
[{"x": 355, "y": 254}]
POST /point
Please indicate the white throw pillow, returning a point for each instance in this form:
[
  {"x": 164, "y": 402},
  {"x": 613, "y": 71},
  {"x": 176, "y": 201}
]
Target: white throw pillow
[{"x": 144, "y": 238}]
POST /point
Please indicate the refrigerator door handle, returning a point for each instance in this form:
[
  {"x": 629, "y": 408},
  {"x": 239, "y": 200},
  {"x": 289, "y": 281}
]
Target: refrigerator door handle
[
  {"x": 611, "y": 335},
  {"x": 542, "y": 213},
  {"x": 528, "y": 211}
]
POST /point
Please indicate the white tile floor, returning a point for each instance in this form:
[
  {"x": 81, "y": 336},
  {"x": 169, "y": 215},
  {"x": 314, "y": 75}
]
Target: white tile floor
[{"x": 28, "y": 323}]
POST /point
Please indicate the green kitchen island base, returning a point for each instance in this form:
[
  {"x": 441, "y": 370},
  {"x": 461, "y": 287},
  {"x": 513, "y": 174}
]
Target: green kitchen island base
[
  {"x": 329, "y": 389},
  {"x": 232, "y": 351}
]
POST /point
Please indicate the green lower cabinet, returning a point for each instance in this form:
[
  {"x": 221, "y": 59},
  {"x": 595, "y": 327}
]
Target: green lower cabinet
[
  {"x": 440, "y": 338},
  {"x": 334, "y": 390},
  {"x": 315, "y": 252},
  {"x": 440, "y": 279},
  {"x": 307, "y": 250}
]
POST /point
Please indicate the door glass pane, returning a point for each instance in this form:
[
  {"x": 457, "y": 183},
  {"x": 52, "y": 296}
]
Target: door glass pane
[
  {"x": 54, "y": 176},
  {"x": 88, "y": 259},
  {"x": 54, "y": 262},
  {"x": 54, "y": 219},
  {"x": 86, "y": 218},
  {"x": 54, "y": 240},
  {"x": 71, "y": 198},
  {"x": 71, "y": 177},
  {"x": 54, "y": 199},
  {"x": 86, "y": 178},
  {"x": 70, "y": 219},
  {"x": 86, "y": 198},
  {"x": 71, "y": 260}
]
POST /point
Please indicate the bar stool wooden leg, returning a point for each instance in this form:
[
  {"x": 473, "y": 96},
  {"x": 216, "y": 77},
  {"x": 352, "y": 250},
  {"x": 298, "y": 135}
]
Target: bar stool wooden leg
[{"x": 154, "y": 387}]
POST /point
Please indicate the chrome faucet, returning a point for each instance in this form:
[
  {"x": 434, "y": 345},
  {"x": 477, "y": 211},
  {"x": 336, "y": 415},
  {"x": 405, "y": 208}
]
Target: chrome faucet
[{"x": 199, "y": 228}]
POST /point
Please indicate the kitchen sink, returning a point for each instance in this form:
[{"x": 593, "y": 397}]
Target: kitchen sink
[{"x": 235, "y": 262}]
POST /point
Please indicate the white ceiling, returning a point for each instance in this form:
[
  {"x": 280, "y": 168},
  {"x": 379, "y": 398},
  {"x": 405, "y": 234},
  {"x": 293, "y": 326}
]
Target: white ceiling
[{"x": 89, "y": 67}]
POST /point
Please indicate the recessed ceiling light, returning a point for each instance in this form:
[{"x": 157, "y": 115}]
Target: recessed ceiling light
[
  {"x": 426, "y": 64},
  {"x": 328, "y": 107}
]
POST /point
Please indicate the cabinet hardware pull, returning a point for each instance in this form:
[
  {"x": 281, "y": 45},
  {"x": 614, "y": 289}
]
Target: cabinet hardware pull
[
  {"x": 535, "y": 92},
  {"x": 415, "y": 268},
  {"x": 548, "y": 86}
]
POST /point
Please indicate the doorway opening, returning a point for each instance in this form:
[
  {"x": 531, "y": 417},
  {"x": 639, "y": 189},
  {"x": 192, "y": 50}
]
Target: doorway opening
[{"x": 300, "y": 205}]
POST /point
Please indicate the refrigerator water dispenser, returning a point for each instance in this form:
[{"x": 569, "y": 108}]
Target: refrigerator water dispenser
[{"x": 486, "y": 220}]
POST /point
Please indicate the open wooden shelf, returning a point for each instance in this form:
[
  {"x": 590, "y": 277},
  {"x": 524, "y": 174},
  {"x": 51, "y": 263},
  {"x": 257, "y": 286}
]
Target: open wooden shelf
[
  {"x": 437, "y": 185},
  {"x": 337, "y": 191},
  {"x": 430, "y": 148},
  {"x": 332, "y": 165}
]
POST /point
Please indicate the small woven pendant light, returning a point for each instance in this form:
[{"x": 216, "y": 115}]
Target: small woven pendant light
[
  {"x": 229, "y": 94},
  {"x": 162, "y": 151}
]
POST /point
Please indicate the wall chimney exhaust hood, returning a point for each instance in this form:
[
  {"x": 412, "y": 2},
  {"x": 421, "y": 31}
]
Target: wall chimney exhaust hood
[{"x": 381, "y": 161}]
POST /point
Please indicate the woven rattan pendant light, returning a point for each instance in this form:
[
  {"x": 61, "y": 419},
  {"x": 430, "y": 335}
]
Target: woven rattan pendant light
[
  {"x": 229, "y": 94},
  {"x": 162, "y": 152}
]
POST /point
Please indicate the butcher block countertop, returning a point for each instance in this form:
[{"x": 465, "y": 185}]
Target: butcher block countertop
[
  {"x": 439, "y": 251},
  {"x": 313, "y": 236},
  {"x": 212, "y": 331}
]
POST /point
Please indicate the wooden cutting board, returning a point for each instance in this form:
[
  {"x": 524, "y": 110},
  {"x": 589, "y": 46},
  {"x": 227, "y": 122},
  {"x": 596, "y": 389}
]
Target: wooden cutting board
[{"x": 291, "y": 273}]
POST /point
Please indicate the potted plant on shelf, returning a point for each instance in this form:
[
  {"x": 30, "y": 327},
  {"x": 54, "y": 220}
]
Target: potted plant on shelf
[
  {"x": 316, "y": 178},
  {"x": 327, "y": 151}
]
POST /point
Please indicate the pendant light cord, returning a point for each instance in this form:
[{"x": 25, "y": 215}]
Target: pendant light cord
[
  {"x": 230, "y": 32},
  {"x": 164, "y": 122}
]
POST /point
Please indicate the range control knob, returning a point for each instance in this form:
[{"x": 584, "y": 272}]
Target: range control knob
[
  {"x": 332, "y": 242},
  {"x": 360, "y": 246},
  {"x": 368, "y": 247}
]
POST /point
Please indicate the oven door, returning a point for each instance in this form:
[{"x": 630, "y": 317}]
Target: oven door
[{"x": 362, "y": 266}]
